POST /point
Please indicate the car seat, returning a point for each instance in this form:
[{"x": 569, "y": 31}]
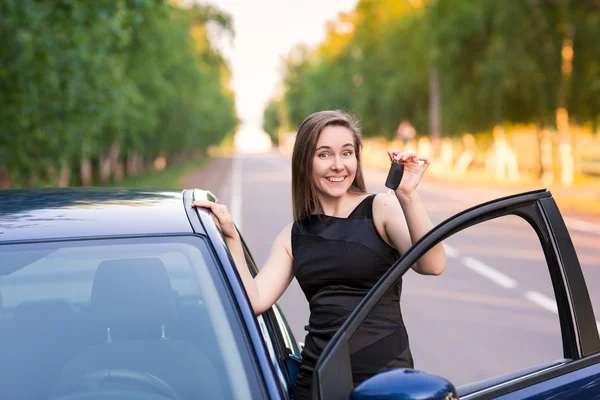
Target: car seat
[{"x": 132, "y": 306}]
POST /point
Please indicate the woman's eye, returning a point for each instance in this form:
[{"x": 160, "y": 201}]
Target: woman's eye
[
  {"x": 347, "y": 153},
  {"x": 323, "y": 155}
]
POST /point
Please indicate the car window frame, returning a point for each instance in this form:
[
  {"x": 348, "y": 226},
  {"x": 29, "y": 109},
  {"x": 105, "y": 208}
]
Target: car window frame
[{"x": 581, "y": 343}]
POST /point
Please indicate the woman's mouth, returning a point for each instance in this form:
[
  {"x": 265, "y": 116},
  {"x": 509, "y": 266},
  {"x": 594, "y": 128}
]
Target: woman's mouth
[{"x": 336, "y": 179}]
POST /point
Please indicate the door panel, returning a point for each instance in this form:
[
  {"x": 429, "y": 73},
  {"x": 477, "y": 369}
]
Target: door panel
[{"x": 583, "y": 383}]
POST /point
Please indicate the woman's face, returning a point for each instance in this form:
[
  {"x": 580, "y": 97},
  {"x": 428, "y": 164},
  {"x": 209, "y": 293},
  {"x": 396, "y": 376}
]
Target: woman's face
[{"x": 334, "y": 163}]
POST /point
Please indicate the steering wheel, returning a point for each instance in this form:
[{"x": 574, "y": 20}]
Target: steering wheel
[{"x": 101, "y": 379}]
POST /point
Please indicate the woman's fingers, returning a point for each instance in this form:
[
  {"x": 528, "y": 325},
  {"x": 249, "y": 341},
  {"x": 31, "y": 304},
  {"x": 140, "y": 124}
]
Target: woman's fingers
[
  {"x": 219, "y": 210},
  {"x": 403, "y": 156},
  {"x": 203, "y": 203},
  {"x": 425, "y": 160},
  {"x": 392, "y": 154}
]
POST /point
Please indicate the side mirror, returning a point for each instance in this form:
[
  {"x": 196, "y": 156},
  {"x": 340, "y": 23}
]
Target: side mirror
[{"x": 401, "y": 383}]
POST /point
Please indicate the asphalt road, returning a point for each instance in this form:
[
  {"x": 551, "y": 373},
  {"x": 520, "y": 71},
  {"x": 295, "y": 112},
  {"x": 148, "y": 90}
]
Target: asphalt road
[{"x": 491, "y": 312}]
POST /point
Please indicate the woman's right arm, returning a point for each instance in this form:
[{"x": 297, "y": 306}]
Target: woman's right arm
[{"x": 277, "y": 273}]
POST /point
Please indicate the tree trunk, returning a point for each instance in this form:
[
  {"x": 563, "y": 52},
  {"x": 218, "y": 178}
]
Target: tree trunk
[
  {"x": 546, "y": 172},
  {"x": 65, "y": 174},
  {"x": 434, "y": 109},
  {"x": 86, "y": 171},
  {"x": 139, "y": 163},
  {"x": 5, "y": 179},
  {"x": 135, "y": 164},
  {"x": 105, "y": 167},
  {"x": 130, "y": 165},
  {"x": 565, "y": 147},
  {"x": 116, "y": 167},
  {"x": 119, "y": 172}
]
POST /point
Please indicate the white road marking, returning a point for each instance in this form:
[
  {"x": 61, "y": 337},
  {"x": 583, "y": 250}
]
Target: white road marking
[
  {"x": 451, "y": 251},
  {"x": 235, "y": 205},
  {"x": 583, "y": 226},
  {"x": 543, "y": 301},
  {"x": 547, "y": 303},
  {"x": 490, "y": 273}
]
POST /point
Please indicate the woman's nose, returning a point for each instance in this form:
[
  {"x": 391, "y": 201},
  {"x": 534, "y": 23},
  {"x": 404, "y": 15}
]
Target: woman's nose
[{"x": 337, "y": 165}]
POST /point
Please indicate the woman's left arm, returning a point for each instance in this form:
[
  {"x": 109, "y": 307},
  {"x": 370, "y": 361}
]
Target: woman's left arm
[
  {"x": 417, "y": 222},
  {"x": 434, "y": 261}
]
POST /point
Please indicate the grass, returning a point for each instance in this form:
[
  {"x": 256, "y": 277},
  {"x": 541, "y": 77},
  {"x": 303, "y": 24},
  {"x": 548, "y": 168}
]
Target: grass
[{"x": 169, "y": 178}]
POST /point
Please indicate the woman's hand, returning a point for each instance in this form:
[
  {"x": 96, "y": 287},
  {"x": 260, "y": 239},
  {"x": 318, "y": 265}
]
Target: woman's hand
[
  {"x": 414, "y": 168},
  {"x": 221, "y": 216}
]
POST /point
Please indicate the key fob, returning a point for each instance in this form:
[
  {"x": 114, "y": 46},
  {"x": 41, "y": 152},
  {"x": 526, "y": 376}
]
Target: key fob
[{"x": 394, "y": 176}]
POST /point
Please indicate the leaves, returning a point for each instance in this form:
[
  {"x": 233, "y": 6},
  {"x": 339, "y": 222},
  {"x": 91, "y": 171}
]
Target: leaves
[
  {"x": 86, "y": 75},
  {"x": 496, "y": 61}
]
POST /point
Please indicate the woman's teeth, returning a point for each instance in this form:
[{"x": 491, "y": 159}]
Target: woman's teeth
[{"x": 336, "y": 180}]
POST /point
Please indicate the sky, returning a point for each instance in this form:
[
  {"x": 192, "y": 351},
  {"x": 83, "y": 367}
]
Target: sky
[{"x": 266, "y": 30}]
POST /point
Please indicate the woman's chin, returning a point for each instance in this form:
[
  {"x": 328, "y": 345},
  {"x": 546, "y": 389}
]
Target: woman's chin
[{"x": 335, "y": 192}]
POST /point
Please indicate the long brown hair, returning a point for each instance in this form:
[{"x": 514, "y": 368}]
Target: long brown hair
[{"x": 304, "y": 194}]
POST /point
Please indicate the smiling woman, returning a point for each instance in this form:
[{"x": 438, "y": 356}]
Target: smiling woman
[
  {"x": 341, "y": 242},
  {"x": 325, "y": 162}
]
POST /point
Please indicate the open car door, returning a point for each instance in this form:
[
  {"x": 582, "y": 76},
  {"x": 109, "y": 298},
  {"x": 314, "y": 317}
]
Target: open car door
[{"x": 577, "y": 374}]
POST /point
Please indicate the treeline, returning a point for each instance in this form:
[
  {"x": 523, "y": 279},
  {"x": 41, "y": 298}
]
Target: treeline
[
  {"x": 450, "y": 66},
  {"x": 91, "y": 91}
]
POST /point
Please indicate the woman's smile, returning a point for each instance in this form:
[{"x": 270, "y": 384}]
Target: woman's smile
[{"x": 336, "y": 179}]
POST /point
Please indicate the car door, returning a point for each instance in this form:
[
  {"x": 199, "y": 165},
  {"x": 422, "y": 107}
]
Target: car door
[{"x": 577, "y": 374}]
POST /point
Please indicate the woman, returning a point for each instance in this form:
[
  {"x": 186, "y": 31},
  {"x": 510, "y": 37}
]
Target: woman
[{"x": 341, "y": 242}]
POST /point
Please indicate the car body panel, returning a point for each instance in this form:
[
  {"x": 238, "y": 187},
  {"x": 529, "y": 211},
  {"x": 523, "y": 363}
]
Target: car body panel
[
  {"x": 50, "y": 215},
  {"x": 27, "y": 215},
  {"x": 581, "y": 383}
]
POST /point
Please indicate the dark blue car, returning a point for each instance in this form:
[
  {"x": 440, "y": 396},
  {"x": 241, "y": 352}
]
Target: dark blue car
[{"x": 129, "y": 294}]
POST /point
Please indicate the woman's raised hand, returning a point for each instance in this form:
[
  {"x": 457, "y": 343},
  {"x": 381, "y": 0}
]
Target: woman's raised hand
[
  {"x": 414, "y": 168},
  {"x": 221, "y": 215}
]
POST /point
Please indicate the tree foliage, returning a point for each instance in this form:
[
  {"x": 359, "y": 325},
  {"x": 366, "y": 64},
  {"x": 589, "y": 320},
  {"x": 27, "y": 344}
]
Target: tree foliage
[
  {"x": 78, "y": 78},
  {"x": 497, "y": 62}
]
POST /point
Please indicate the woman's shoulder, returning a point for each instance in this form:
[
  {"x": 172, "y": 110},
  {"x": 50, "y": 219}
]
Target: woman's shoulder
[
  {"x": 385, "y": 204},
  {"x": 284, "y": 238},
  {"x": 287, "y": 230}
]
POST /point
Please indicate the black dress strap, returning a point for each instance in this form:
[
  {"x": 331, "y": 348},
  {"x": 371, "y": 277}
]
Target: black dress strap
[{"x": 364, "y": 209}]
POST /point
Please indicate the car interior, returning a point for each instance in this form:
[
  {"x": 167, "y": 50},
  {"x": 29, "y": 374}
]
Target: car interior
[{"x": 136, "y": 335}]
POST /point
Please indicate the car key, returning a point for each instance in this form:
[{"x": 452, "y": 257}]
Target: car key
[{"x": 394, "y": 177}]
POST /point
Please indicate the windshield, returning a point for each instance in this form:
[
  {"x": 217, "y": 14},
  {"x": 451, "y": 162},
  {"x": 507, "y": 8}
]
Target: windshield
[{"x": 133, "y": 318}]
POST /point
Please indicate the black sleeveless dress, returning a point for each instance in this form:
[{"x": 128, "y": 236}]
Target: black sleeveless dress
[{"x": 336, "y": 262}]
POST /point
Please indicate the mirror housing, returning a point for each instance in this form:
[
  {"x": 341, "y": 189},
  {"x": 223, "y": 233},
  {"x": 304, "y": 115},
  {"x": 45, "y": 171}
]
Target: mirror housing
[{"x": 404, "y": 384}]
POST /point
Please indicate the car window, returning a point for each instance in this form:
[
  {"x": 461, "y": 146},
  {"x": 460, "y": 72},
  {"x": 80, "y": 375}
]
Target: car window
[
  {"x": 286, "y": 333},
  {"x": 152, "y": 310},
  {"x": 491, "y": 312}
]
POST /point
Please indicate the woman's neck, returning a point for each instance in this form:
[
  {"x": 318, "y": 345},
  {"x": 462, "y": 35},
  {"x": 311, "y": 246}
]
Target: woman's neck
[{"x": 340, "y": 206}]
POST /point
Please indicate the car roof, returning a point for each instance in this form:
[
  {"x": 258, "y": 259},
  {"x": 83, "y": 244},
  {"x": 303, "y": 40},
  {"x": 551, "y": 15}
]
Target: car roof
[{"x": 59, "y": 213}]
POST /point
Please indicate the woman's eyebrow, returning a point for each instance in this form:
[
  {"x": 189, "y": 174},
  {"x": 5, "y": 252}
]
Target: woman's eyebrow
[{"x": 329, "y": 147}]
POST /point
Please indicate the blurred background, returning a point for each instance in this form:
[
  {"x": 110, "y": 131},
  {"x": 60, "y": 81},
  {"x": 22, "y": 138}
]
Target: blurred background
[
  {"x": 95, "y": 92},
  {"x": 503, "y": 96}
]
